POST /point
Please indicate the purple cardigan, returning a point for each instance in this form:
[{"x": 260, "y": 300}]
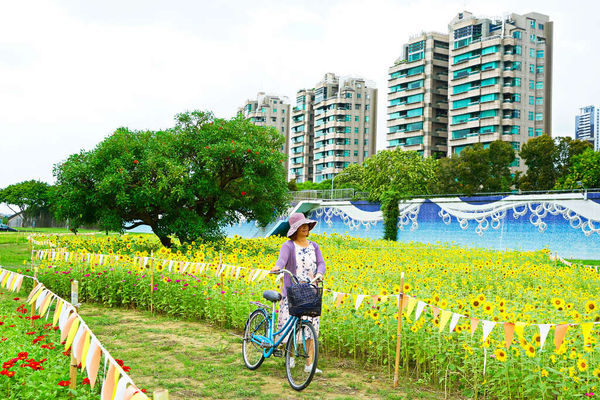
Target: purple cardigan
[{"x": 287, "y": 260}]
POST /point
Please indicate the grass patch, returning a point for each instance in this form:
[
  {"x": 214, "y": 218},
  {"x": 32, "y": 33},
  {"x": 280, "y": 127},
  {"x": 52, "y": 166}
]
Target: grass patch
[{"x": 13, "y": 249}]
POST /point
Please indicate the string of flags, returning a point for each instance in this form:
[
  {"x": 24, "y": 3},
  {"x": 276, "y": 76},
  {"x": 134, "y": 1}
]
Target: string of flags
[
  {"x": 85, "y": 346},
  {"x": 409, "y": 303}
]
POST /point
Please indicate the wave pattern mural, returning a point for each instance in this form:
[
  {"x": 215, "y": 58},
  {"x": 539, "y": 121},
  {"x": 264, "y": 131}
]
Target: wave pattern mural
[{"x": 568, "y": 224}]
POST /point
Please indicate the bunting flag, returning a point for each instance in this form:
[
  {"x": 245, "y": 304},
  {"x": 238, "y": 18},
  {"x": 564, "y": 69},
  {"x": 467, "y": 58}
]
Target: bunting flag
[
  {"x": 454, "y": 321},
  {"x": 46, "y": 304},
  {"x": 544, "y": 329},
  {"x": 488, "y": 326},
  {"x": 519, "y": 329},
  {"x": 130, "y": 392},
  {"x": 444, "y": 319},
  {"x": 87, "y": 340},
  {"x": 93, "y": 361},
  {"x": 559, "y": 334},
  {"x": 67, "y": 327},
  {"x": 72, "y": 331},
  {"x": 57, "y": 310},
  {"x": 509, "y": 331},
  {"x": 474, "y": 323},
  {"x": 435, "y": 311},
  {"x": 586, "y": 329},
  {"x": 359, "y": 300},
  {"x": 412, "y": 302},
  {"x": 420, "y": 306},
  {"x": 78, "y": 342},
  {"x": 108, "y": 387},
  {"x": 120, "y": 388},
  {"x": 340, "y": 298}
]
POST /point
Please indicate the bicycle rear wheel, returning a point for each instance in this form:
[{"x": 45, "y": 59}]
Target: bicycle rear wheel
[
  {"x": 252, "y": 352},
  {"x": 301, "y": 353}
]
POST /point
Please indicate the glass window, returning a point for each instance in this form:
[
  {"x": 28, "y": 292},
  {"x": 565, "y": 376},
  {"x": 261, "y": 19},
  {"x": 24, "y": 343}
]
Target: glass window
[
  {"x": 347, "y": 118},
  {"x": 348, "y": 95},
  {"x": 366, "y": 131},
  {"x": 530, "y": 116},
  {"x": 488, "y": 113},
  {"x": 488, "y": 65},
  {"x": 539, "y": 116},
  {"x": 516, "y": 98},
  {"x": 358, "y": 96},
  {"x": 531, "y": 99},
  {"x": 460, "y": 103},
  {"x": 532, "y": 23},
  {"x": 518, "y": 49},
  {"x": 366, "y": 118},
  {"x": 532, "y": 68},
  {"x": 515, "y": 130},
  {"x": 489, "y": 50},
  {"x": 538, "y": 131},
  {"x": 347, "y": 130},
  {"x": 530, "y": 131},
  {"x": 488, "y": 129},
  {"x": 540, "y": 54},
  {"x": 356, "y": 141},
  {"x": 517, "y": 82},
  {"x": 465, "y": 87},
  {"x": 539, "y": 101},
  {"x": 517, "y": 34},
  {"x": 541, "y": 27},
  {"x": 415, "y": 98},
  {"x": 489, "y": 81},
  {"x": 532, "y": 38},
  {"x": 531, "y": 84},
  {"x": 415, "y": 112},
  {"x": 355, "y": 130},
  {"x": 459, "y": 119},
  {"x": 540, "y": 69},
  {"x": 356, "y": 153},
  {"x": 366, "y": 154},
  {"x": 356, "y": 118},
  {"x": 539, "y": 85},
  {"x": 489, "y": 97},
  {"x": 532, "y": 53}
]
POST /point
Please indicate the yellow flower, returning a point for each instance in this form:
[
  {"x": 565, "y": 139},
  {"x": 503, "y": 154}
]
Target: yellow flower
[
  {"x": 596, "y": 373},
  {"x": 590, "y": 306},
  {"x": 582, "y": 364},
  {"x": 530, "y": 351},
  {"x": 544, "y": 373},
  {"x": 500, "y": 355}
]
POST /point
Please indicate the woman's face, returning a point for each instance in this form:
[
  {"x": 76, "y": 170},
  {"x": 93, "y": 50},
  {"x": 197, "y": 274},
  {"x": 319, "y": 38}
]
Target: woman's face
[{"x": 303, "y": 230}]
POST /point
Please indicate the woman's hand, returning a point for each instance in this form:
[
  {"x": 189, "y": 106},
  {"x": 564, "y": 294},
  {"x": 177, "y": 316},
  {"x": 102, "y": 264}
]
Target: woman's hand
[{"x": 275, "y": 269}]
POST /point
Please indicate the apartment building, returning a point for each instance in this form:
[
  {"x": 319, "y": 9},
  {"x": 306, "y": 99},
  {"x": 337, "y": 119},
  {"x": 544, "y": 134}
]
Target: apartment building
[
  {"x": 500, "y": 80},
  {"x": 587, "y": 123},
  {"x": 418, "y": 96},
  {"x": 333, "y": 125},
  {"x": 270, "y": 110}
]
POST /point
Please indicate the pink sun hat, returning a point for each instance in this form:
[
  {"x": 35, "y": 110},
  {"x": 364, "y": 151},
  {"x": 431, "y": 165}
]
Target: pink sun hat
[{"x": 296, "y": 220}]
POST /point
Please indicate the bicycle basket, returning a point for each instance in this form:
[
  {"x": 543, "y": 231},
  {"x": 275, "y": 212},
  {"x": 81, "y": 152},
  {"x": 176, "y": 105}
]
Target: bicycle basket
[{"x": 304, "y": 299}]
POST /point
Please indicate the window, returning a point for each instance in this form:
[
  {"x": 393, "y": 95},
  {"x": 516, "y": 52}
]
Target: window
[
  {"x": 538, "y": 131},
  {"x": 465, "y": 87},
  {"x": 366, "y": 118},
  {"x": 540, "y": 54},
  {"x": 488, "y": 113},
  {"x": 531, "y": 84},
  {"x": 488, "y": 65},
  {"x": 539, "y": 85},
  {"x": 517, "y": 34},
  {"x": 356, "y": 118},
  {"x": 347, "y": 118},
  {"x": 539, "y": 116},
  {"x": 516, "y": 82},
  {"x": 532, "y": 38},
  {"x": 489, "y": 81},
  {"x": 347, "y": 130},
  {"x": 264, "y": 109},
  {"x": 532, "y": 53},
  {"x": 355, "y": 153},
  {"x": 516, "y": 98},
  {"x": 366, "y": 142},
  {"x": 356, "y": 142},
  {"x": 415, "y": 112},
  {"x": 530, "y": 116},
  {"x": 515, "y": 130},
  {"x": 366, "y": 131},
  {"x": 541, "y": 27},
  {"x": 283, "y": 111},
  {"x": 357, "y": 106},
  {"x": 539, "y": 101},
  {"x": 367, "y": 107},
  {"x": 531, "y": 98},
  {"x": 518, "y": 49},
  {"x": 489, "y": 50},
  {"x": 355, "y": 130},
  {"x": 348, "y": 95},
  {"x": 532, "y": 68},
  {"x": 366, "y": 154},
  {"x": 488, "y": 97},
  {"x": 532, "y": 23},
  {"x": 488, "y": 129},
  {"x": 530, "y": 131},
  {"x": 540, "y": 69},
  {"x": 358, "y": 96}
]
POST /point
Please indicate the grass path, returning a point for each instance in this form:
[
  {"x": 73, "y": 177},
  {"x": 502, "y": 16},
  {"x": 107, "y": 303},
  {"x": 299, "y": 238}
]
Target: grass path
[{"x": 199, "y": 361}]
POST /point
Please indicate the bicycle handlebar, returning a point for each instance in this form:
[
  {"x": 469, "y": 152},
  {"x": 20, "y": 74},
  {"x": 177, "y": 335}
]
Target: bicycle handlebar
[{"x": 294, "y": 277}]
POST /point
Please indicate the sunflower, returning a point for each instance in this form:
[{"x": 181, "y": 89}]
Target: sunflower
[
  {"x": 500, "y": 355},
  {"x": 558, "y": 303},
  {"x": 481, "y": 298},
  {"x": 476, "y": 303},
  {"x": 596, "y": 373},
  {"x": 530, "y": 351},
  {"x": 582, "y": 364},
  {"x": 590, "y": 306}
]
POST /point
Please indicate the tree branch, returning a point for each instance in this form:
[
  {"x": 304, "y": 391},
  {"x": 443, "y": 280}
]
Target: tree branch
[{"x": 135, "y": 225}]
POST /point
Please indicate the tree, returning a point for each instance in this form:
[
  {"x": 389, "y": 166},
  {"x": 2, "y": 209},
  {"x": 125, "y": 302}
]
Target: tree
[
  {"x": 585, "y": 169},
  {"x": 539, "y": 154},
  {"x": 30, "y": 197},
  {"x": 188, "y": 181},
  {"x": 292, "y": 185},
  {"x": 501, "y": 155},
  {"x": 566, "y": 149}
]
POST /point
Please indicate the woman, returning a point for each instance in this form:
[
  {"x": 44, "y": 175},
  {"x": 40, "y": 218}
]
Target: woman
[{"x": 302, "y": 258}]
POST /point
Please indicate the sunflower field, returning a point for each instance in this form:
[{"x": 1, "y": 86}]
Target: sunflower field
[{"x": 479, "y": 322}]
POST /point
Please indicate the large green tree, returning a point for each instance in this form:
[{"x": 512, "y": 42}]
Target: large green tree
[
  {"x": 188, "y": 181},
  {"x": 585, "y": 171},
  {"x": 30, "y": 197}
]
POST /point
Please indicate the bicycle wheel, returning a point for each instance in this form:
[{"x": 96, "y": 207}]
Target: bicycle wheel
[
  {"x": 301, "y": 354},
  {"x": 257, "y": 324}
]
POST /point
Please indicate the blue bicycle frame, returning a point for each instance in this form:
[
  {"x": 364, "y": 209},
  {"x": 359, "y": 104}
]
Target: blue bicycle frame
[{"x": 267, "y": 343}]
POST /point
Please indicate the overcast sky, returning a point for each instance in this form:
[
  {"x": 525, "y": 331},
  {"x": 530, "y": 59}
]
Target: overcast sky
[{"x": 71, "y": 72}]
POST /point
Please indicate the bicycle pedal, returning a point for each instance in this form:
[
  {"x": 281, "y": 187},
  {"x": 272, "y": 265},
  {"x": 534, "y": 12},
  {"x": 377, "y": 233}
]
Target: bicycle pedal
[{"x": 277, "y": 353}]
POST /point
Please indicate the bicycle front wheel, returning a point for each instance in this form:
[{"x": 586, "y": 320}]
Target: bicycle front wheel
[
  {"x": 301, "y": 353},
  {"x": 252, "y": 352}
]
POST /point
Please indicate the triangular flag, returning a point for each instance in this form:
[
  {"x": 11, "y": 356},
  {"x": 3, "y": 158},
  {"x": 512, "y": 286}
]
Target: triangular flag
[
  {"x": 35, "y": 296},
  {"x": 34, "y": 291},
  {"x": 454, "y": 321},
  {"x": 586, "y": 328},
  {"x": 139, "y": 396},
  {"x": 64, "y": 316},
  {"x": 544, "y": 329},
  {"x": 359, "y": 300},
  {"x": 237, "y": 272},
  {"x": 130, "y": 391},
  {"x": 20, "y": 283},
  {"x": 519, "y": 329},
  {"x": 78, "y": 343},
  {"x": 420, "y": 306},
  {"x": 93, "y": 361},
  {"x": 487, "y": 328},
  {"x": 85, "y": 348},
  {"x": 474, "y": 323},
  {"x": 559, "y": 334},
  {"x": 72, "y": 331},
  {"x": 67, "y": 326},
  {"x": 170, "y": 265},
  {"x": 120, "y": 388},
  {"x": 46, "y": 304},
  {"x": 340, "y": 298},
  {"x": 57, "y": 309},
  {"x": 412, "y": 302},
  {"x": 435, "y": 311},
  {"x": 334, "y": 296},
  {"x": 444, "y": 319},
  {"x": 41, "y": 299},
  {"x": 108, "y": 387},
  {"x": 509, "y": 331}
]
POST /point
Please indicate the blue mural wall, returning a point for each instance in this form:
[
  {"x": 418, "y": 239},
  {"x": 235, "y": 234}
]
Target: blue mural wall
[{"x": 568, "y": 224}]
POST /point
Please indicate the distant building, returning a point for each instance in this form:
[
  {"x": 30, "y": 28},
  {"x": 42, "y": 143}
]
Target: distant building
[
  {"x": 500, "y": 80},
  {"x": 418, "y": 96},
  {"x": 269, "y": 110},
  {"x": 587, "y": 123},
  {"x": 333, "y": 125}
]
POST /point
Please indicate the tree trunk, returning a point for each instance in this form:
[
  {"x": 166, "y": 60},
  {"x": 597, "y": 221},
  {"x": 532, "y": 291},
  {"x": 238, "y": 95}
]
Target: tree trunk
[{"x": 165, "y": 240}]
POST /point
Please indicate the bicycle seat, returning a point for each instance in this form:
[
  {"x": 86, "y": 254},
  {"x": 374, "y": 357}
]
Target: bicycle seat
[{"x": 272, "y": 295}]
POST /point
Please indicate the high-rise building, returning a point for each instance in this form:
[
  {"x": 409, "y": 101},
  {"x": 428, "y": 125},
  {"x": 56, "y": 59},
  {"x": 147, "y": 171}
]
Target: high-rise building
[
  {"x": 500, "y": 80},
  {"x": 333, "y": 125},
  {"x": 418, "y": 96},
  {"x": 269, "y": 110},
  {"x": 587, "y": 123}
]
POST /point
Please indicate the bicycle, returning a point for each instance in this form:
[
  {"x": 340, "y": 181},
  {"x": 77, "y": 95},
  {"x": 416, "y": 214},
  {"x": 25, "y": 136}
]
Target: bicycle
[{"x": 301, "y": 346}]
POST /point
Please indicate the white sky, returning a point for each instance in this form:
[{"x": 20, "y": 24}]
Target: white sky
[{"x": 71, "y": 72}]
